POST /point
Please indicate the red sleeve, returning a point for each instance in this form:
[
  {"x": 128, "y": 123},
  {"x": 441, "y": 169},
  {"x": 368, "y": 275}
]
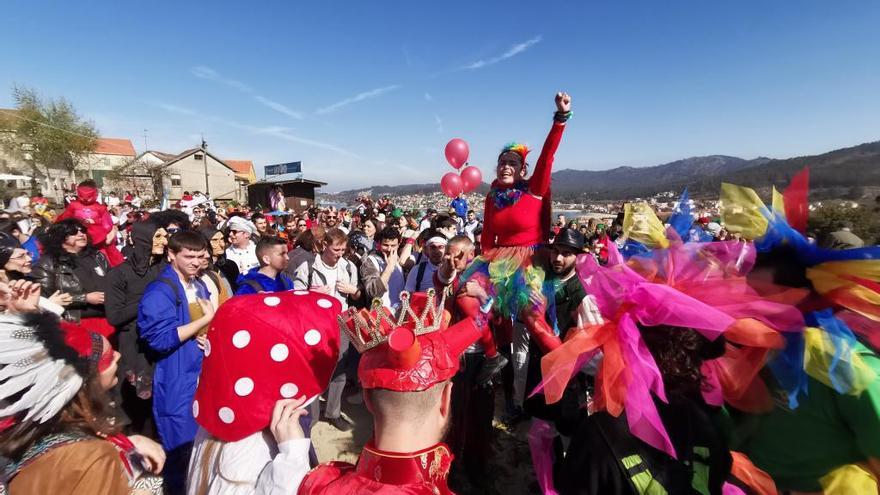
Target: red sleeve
[
  {"x": 107, "y": 220},
  {"x": 487, "y": 238},
  {"x": 67, "y": 213},
  {"x": 539, "y": 183}
]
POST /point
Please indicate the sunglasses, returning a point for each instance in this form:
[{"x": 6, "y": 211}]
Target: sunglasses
[{"x": 172, "y": 230}]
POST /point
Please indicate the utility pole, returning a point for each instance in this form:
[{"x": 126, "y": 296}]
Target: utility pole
[
  {"x": 145, "y": 141},
  {"x": 205, "y": 161}
]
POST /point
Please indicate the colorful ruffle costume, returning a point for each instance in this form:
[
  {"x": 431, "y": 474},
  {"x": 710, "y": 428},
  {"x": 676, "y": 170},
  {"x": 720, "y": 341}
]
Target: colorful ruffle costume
[{"x": 515, "y": 222}]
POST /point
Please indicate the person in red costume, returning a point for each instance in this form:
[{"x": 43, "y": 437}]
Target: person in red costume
[
  {"x": 96, "y": 218},
  {"x": 406, "y": 368},
  {"x": 516, "y": 222}
]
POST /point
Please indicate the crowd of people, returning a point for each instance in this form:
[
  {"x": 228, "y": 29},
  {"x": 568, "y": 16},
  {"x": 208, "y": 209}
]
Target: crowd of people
[{"x": 192, "y": 349}]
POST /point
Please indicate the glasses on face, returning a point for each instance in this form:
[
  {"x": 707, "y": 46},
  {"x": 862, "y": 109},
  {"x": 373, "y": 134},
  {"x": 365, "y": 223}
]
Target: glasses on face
[
  {"x": 172, "y": 230},
  {"x": 300, "y": 225}
]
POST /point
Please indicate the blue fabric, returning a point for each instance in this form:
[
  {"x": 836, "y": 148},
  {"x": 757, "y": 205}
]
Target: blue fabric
[
  {"x": 179, "y": 363},
  {"x": 788, "y": 368},
  {"x": 280, "y": 283},
  {"x": 843, "y": 339},
  {"x": 32, "y": 247},
  {"x": 681, "y": 219},
  {"x": 779, "y": 232},
  {"x": 635, "y": 248}
]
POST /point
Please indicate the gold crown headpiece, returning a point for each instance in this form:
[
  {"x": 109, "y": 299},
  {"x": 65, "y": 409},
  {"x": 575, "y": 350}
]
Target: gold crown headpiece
[{"x": 369, "y": 329}]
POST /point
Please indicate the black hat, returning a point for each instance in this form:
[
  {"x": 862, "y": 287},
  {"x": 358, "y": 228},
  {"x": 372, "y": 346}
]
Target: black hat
[
  {"x": 7, "y": 247},
  {"x": 569, "y": 238}
]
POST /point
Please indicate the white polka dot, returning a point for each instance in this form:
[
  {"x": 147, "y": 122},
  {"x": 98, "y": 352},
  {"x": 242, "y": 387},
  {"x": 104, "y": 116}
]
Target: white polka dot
[
  {"x": 324, "y": 303},
  {"x": 207, "y": 347},
  {"x": 244, "y": 386},
  {"x": 195, "y": 409},
  {"x": 226, "y": 415},
  {"x": 301, "y": 292},
  {"x": 312, "y": 337},
  {"x": 272, "y": 301},
  {"x": 241, "y": 339},
  {"x": 279, "y": 352},
  {"x": 288, "y": 390}
]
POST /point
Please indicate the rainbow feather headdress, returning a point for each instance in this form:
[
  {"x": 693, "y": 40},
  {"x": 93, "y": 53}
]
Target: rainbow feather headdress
[{"x": 519, "y": 148}]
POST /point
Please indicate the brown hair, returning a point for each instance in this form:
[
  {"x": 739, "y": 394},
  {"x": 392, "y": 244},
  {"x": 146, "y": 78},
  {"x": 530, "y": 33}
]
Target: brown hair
[
  {"x": 679, "y": 354},
  {"x": 335, "y": 236},
  {"x": 186, "y": 239}
]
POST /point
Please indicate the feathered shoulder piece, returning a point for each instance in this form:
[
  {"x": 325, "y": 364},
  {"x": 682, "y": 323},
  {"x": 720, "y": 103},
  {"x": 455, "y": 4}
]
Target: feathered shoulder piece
[{"x": 42, "y": 366}]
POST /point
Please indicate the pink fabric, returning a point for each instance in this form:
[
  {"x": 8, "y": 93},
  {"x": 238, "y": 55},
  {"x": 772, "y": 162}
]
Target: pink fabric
[
  {"x": 730, "y": 489},
  {"x": 628, "y": 299},
  {"x": 541, "y": 436}
]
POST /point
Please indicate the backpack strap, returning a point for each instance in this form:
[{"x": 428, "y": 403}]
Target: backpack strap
[
  {"x": 253, "y": 284},
  {"x": 170, "y": 283},
  {"x": 420, "y": 275}
]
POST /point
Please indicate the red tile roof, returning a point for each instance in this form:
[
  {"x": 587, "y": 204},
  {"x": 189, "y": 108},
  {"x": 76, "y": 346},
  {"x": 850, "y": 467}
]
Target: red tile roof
[
  {"x": 241, "y": 166},
  {"x": 114, "y": 146}
]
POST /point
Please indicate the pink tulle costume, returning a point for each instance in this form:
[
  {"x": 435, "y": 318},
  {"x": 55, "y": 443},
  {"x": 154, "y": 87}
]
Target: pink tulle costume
[{"x": 628, "y": 375}]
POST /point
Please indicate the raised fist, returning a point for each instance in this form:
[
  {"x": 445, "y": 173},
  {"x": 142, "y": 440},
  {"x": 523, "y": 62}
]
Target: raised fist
[{"x": 563, "y": 102}]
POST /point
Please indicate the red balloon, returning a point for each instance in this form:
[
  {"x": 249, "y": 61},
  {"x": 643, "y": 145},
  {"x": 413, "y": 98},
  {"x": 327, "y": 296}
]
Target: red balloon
[
  {"x": 451, "y": 185},
  {"x": 457, "y": 152},
  {"x": 471, "y": 178}
]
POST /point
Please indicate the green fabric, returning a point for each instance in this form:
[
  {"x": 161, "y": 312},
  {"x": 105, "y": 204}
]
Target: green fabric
[
  {"x": 826, "y": 431},
  {"x": 700, "y": 481},
  {"x": 641, "y": 476}
]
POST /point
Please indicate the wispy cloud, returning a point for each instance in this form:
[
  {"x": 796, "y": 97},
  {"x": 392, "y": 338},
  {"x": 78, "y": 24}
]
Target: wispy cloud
[
  {"x": 439, "y": 123},
  {"x": 210, "y": 74},
  {"x": 279, "y": 132},
  {"x": 366, "y": 95},
  {"x": 511, "y": 52},
  {"x": 168, "y": 107},
  {"x": 287, "y": 136},
  {"x": 207, "y": 73},
  {"x": 280, "y": 108},
  {"x": 428, "y": 97}
]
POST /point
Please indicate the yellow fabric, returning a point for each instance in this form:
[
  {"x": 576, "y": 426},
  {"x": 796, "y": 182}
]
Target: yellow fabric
[
  {"x": 643, "y": 481},
  {"x": 641, "y": 224},
  {"x": 742, "y": 211},
  {"x": 836, "y": 277},
  {"x": 850, "y": 479},
  {"x": 778, "y": 203},
  {"x": 851, "y": 369}
]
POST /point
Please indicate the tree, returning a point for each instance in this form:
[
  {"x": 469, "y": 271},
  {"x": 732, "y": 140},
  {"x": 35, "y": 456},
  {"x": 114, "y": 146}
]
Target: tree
[
  {"x": 831, "y": 217},
  {"x": 48, "y": 134},
  {"x": 138, "y": 177}
]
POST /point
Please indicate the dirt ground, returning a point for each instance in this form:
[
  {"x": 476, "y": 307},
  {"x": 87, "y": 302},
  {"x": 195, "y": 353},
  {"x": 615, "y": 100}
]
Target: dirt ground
[{"x": 510, "y": 468}]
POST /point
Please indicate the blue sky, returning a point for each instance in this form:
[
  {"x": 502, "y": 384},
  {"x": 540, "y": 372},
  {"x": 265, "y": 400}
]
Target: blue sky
[{"x": 368, "y": 92}]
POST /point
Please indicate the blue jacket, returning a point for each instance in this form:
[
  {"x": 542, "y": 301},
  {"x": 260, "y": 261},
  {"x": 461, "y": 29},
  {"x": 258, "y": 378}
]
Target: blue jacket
[
  {"x": 161, "y": 310},
  {"x": 280, "y": 283}
]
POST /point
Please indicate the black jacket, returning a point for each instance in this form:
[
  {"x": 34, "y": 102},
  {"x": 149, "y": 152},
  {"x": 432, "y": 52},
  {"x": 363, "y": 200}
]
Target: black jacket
[{"x": 74, "y": 275}]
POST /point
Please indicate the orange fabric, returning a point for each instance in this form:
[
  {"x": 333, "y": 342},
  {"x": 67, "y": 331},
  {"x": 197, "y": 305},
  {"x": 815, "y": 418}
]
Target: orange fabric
[
  {"x": 758, "y": 481},
  {"x": 737, "y": 371},
  {"x": 558, "y": 366},
  {"x": 751, "y": 332}
]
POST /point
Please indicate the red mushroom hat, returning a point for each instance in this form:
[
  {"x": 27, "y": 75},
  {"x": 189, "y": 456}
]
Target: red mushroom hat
[
  {"x": 412, "y": 352},
  {"x": 262, "y": 348}
]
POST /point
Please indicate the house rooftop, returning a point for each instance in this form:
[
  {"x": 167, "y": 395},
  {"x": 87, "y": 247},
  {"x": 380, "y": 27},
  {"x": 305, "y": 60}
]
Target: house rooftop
[{"x": 114, "y": 146}]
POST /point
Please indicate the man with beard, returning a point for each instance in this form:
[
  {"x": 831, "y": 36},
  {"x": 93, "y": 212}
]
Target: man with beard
[
  {"x": 405, "y": 370},
  {"x": 574, "y": 308}
]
